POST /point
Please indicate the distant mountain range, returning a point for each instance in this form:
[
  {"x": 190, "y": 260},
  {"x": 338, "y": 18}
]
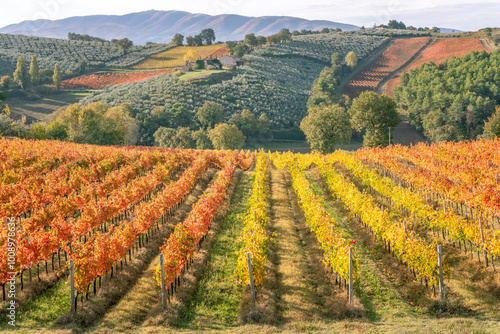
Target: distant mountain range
[{"x": 160, "y": 26}]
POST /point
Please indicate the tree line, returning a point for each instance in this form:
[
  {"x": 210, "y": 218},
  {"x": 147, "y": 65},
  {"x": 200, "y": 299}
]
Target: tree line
[
  {"x": 331, "y": 117},
  {"x": 209, "y": 129},
  {"x": 24, "y": 77},
  {"x": 205, "y": 37},
  {"x": 77, "y": 37},
  {"x": 452, "y": 100}
]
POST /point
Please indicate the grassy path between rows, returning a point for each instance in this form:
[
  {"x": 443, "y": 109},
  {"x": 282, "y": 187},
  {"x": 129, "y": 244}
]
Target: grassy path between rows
[{"x": 216, "y": 299}]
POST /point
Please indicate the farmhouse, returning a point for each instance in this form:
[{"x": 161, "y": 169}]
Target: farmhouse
[{"x": 229, "y": 61}]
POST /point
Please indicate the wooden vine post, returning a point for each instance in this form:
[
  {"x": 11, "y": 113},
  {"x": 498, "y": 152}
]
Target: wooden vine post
[
  {"x": 485, "y": 253},
  {"x": 252, "y": 287},
  {"x": 350, "y": 276},
  {"x": 163, "y": 290},
  {"x": 440, "y": 263},
  {"x": 72, "y": 284}
]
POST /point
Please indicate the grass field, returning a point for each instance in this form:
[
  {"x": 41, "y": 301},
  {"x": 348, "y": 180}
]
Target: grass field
[
  {"x": 48, "y": 107},
  {"x": 175, "y": 57}
]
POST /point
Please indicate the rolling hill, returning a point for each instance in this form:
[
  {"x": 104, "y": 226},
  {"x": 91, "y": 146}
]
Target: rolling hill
[{"x": 160, "y": 26}]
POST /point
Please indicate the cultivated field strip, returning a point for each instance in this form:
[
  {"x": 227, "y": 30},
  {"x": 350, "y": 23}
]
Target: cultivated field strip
[{"x": 396, "y": 55}]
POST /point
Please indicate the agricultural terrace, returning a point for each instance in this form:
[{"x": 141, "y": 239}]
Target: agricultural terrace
[
  {"x": 69, "y": 54},
  {"x": 102, "y": 80},
  {"x": 440, "y": 50},
  {"x": 320, "y": 47},
  {"x": 175, "y": 56},
  {"x": 131, "y": 239},
  {"x": 395, "y": 56}
]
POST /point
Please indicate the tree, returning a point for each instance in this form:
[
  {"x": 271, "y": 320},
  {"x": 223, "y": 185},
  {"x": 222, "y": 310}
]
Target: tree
[
  {"x": 190, "y": 41},
  {"x": 176, "y": 138},
  {"x": 492, "y": 126},
  {"x": 7, "y": 127},
  {"x": 208, "y": 35},
  {"x": 124, "y": 124},
  {"x": 326, "y": 126},
  {"x": 124, "y": 44},
  {"x": 210, "y": 115},
  {"x": 178, "y": 40},
  {"x": 198, "y": 40},
  {"x": 46, "y": 75},
  {"x": 34, "y": 72},
  {"x": 226, "y": 137},
  {"x": 57, "y": 131},
  {"x": 251, "y": 40},
  {"x": 246, "y": 122},
  {"x": 273, "y": 39},
  {"x": 83, "y": 67},
  {"x": 393, "y": 24},
  {"x": 21, "y": 75},
  {"x": 6, "y": 81},
  {"x": 263, "y": 123},
  {"x": 284, "y": 35},
  {"x": 324, "y": 89},
  {"x": 37, "y": 131},
  {"x": 488, "y": 32},
  {"x": 202, "y": 140},
  {"x": 179, "y": 116},
  {"x": 325, "y": 30},
  {"x": 261, "y": 40},
  {"x": 336, "y": 58},
  {"x": 164, "y": 137},
  {"x": 2, "y": 97},
  {"x": 375, "y": 113},
  {"x": 351, "y": 59},
  {"x": 184, "y": 138},
  {"x": 96, "y": 124},
  {"x": 239, "y": 50},
  {"x": 57, "y": 77},
  {"x": 231, "y": 44}
]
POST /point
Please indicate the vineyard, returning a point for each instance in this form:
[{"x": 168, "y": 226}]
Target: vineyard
[
  {"x": 102, "y": 80},
  {"x": 155, "y": 239},
  {"x": 440, "y": 50},
  {"x": 69, "y": 54},
  {"x": 395, "y": 56},
  {"x": 175, "y": 57}
]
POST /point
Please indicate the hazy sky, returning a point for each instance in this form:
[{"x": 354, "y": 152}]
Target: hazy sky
[{"x": 458, "y": 14}]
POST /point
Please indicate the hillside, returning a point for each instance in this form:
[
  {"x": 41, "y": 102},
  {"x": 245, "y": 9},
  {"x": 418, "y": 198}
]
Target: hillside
[
  {"x": 440, "y": 50},
  {"x": 68, "y": 54},
  {"x": 277, "y": 85},
  {"x": 160, "y": 26}
]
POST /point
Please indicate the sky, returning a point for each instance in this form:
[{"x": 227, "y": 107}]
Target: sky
[{"x": 454, "y": 14}]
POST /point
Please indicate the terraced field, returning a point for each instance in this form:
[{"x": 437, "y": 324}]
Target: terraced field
[
  {"x": 175, "y": 57},
  {"x": 440, "y": 50},
  {"x": 395, "y": 56}
]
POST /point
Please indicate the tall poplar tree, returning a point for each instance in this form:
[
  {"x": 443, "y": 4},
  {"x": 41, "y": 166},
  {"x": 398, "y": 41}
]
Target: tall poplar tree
[
  {"x": 21, "y": 75},
  {"x": 34, "y": 72}
]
